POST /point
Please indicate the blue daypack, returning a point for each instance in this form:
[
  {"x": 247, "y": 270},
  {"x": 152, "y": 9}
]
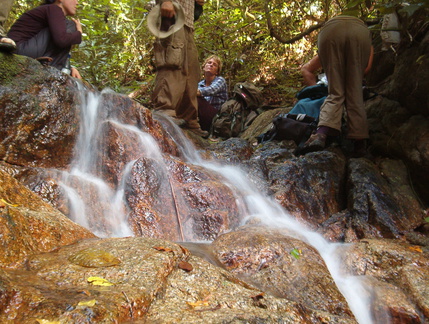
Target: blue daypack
[
  {"x": 301, "y": 121},
  {"x": 310, "y": 99}
]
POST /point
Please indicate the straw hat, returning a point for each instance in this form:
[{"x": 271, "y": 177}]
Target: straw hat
[{"x": 154, "y": 21}]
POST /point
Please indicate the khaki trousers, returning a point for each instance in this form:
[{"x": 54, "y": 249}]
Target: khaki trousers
[
  {"x": 344, "y": 50},
  {"x": 5, "y": 6},
  {"x": 178, "y": 73}
]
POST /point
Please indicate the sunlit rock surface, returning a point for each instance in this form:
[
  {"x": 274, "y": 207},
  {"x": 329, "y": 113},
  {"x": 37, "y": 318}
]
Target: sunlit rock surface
[
  {"x": 401, "y": 264},
  {"x": 179, "y": 201},
  {"x": 149, "y": 285},
  {"x": 281, "y": 265},
  {"x": 28, "y": 225}
]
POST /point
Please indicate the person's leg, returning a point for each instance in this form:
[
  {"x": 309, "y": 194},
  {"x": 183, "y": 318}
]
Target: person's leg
[
  {"x": 169, "y": 80},
  {"x": 188, "y": 107},
  {"x": 331, "y": 45},
  {"x": 6, "y": 44},
  {"x": 331, "y": 52},
  {"x": 206, "y": 113},
  {"x": 37, "y": 46},
  {"x": 5, "y": 6},
  {"x": 358, "y": 52}
]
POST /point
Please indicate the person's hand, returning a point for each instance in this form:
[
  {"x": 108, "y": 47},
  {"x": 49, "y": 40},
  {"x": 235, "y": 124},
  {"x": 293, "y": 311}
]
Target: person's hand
[
  {"x": 167, "y": 9},
  {"x": 200, "y": 2},
  {"x": 78, "y": 24},
  {"x": 75, "y": 73}
]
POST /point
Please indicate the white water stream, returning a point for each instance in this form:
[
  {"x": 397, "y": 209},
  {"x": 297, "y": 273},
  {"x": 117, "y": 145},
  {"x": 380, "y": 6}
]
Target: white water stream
[{"x": 255, "y": 204}]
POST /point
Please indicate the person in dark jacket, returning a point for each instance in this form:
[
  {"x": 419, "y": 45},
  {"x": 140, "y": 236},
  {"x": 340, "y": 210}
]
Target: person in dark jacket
[{"x": 46, "y": 32}]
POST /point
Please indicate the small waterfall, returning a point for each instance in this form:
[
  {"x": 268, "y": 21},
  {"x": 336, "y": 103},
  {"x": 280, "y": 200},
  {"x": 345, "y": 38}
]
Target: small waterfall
[{"x": 82, "y": 183}]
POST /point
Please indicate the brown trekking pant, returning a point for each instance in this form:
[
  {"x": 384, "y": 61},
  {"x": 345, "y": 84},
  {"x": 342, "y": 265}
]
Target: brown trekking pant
[
  {"x": 178, "y": 73},
  {"x": 344, "y": 50}
]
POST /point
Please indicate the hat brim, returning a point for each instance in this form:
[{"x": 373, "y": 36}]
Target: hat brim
[{"x": 154, "y": 21}]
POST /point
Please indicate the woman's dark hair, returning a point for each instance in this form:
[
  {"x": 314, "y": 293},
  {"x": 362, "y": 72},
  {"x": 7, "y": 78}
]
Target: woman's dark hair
[{"x": 49, "y": 1}]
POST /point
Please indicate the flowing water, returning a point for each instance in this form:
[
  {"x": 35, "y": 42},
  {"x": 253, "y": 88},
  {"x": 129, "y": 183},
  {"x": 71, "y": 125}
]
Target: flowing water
[{"x": 82, "y": 183}]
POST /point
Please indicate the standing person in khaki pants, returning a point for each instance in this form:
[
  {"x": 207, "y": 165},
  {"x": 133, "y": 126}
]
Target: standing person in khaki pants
[
  {"x": 6, "y": 44},
  {"x": 178, "y": 73},
  {"x": 345, "y": 53}
]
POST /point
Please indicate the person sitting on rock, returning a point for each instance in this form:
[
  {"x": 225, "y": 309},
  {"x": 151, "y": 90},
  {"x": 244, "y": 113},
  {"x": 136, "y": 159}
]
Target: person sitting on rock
[
  {"x": 212, "y": 91},
  {"x": 44, "y": 33}
]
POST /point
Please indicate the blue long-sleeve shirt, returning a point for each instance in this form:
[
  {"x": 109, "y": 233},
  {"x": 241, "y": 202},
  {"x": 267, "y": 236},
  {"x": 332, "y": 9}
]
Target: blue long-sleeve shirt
[{"x": 216, "y": 93}]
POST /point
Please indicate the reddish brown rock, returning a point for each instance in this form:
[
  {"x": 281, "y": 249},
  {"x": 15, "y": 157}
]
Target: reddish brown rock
[
  {"x": 281, "y": 265},
  {"x": 29, "y": 225}
]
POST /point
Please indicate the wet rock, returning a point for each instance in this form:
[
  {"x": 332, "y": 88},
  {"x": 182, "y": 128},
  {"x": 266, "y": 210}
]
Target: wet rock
[
  {"x": 282, "y": 266},
  {"x": 59, "y": 290},
  {"x": 148, "y": 286},
  {"x": 400, "y": 264},
  {"x": 29, "y": 225},
  {"x": 390, "y": 304},
  {"x": 232, "y": 151},
  {"x": 40, "y": 114},
  {"x": 376, "y": 211},
  {"x": 179, "y": 201},
  {"x": 310, "y": 187},
  {"x": 208, "y": 294}
]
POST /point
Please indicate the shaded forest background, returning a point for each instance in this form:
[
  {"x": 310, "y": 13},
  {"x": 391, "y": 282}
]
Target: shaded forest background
[{"x": 260, "y": 41}]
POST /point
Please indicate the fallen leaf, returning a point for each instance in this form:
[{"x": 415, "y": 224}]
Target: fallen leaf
[
  {"x": 7, "y": 203},
  {"x": 97, "y": 281},
  {"x": 198, "y": 303},
  {"x": 85, "y": 292},
  {"x": 161, "y": 248},
  {"x": 88, "y": 303},
  {"x": 296, "y": 253},
  {"x": 185, "y": 266},
  {"x": 43, "y": 321},
  {"x": 416, "y": 249}
]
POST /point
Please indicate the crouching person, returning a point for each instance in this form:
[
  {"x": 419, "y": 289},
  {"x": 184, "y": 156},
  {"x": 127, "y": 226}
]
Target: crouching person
[{"x": 44, "y": 33}]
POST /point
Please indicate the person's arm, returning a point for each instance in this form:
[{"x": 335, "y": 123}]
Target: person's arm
[
  {"x": 308, "y": 70},
  {"x": 167, "y": 9},
  {"x": 58, "y": 29},
  {"x": 370, "y": 60},
  {"x": 217, "y": 86},
  {"x": 75, "y": 73}
]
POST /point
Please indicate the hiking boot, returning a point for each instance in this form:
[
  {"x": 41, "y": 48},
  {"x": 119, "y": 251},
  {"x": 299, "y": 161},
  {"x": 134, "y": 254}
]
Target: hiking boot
[
  {"x": 7, "y": 45},
  {"x": 214, "y": 139},
  {"x": 199, "y": 132},
  {"x": 44, "y": 60},
  {"x": 316, "y": 142}
]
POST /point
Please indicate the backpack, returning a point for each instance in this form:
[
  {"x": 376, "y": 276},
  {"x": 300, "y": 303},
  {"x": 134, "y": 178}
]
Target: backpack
[
  {"x": 296, "y": 127},
  {"x": 310, "y": 99},
  {"x": 301, "y": 121},
  {"x": 238, "y": 112}
]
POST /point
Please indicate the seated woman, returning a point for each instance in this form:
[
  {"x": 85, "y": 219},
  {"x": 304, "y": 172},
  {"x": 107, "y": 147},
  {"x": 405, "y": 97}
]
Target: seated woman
[
  {"x": 212, "y": 92},
  {"x": 45, "y": 32}
]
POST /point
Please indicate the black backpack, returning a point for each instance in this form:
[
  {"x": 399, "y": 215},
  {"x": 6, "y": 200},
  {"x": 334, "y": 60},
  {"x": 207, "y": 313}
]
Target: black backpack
[
  {"x": 296, "y": 127},
  {"x": 238, "y": 112}
]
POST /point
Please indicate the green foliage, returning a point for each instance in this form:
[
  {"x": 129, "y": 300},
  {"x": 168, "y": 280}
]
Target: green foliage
[{"x": 256, "y": 40}]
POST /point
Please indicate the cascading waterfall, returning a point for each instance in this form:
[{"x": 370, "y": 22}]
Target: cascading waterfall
[{"x": 115, "y": 215}]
